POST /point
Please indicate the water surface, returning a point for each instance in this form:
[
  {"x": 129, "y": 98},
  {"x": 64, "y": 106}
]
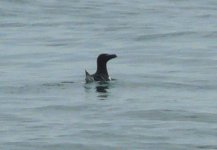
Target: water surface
[{"x": 164, "y": 95}]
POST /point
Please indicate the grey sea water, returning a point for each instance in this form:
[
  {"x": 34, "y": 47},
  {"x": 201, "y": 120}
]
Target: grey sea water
[{"x": 164, "y": 96}]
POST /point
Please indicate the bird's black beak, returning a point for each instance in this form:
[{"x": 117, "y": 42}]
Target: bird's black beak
[{"x": 111, "y": 56}]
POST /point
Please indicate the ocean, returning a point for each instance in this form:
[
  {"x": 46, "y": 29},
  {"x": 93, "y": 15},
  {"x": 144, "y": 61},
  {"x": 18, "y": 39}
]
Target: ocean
[{"x": 163, "y": 96}]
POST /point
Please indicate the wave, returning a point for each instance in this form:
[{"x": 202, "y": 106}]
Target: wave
[{"x": 166, "y": 35}]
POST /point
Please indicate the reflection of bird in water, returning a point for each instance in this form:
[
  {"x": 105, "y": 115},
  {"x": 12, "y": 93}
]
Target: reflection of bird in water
[
  {"x": 101, "y": 72},
  {"x": 102, "y": 88}
]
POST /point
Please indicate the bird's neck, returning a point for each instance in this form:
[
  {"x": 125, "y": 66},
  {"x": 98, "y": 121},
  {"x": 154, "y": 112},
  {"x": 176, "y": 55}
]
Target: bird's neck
[{"x": 102, "y": 69}]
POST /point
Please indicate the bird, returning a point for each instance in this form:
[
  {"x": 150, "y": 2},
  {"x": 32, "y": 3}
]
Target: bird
[{"x": 101, "y": 73}]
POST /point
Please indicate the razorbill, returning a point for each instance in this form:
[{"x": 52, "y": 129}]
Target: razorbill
[{"x": 101, "y": 72}]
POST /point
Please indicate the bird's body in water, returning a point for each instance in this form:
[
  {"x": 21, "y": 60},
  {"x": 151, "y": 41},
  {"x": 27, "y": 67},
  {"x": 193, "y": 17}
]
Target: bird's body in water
[{"x": 101, "y": 72}]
